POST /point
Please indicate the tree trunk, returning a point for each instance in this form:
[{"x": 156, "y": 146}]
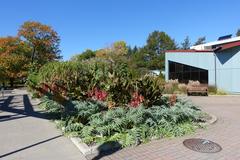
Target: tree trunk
[
  {"x": 11, "y": 82},
  {"x": 33, "y": 54}
]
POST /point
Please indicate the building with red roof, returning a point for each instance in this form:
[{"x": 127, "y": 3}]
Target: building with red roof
[{"x": 215, "y": 63}]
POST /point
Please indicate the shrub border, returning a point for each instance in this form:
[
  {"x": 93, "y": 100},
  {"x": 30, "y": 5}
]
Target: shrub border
[{"x": 96, "y": 149}]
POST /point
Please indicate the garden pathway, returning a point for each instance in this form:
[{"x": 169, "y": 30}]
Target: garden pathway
[
  {"x": 26, "y": 134},
  {"x": 225, "y": 132}
]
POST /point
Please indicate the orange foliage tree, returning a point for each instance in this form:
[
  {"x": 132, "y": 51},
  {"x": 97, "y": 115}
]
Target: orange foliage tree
[
  {"x": 13, "y": 45},
  {"x": 14, "y": 67},
  {"x": 116, "y": 50},
  {"x": 35, "y": 45},
  {"x": 42, "y": 39},
  {"x": 14, "y": 59}
]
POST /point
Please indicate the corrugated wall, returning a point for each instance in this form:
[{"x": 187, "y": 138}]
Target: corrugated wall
[
  {"x": 204, "y": 60},
  {"x": 227, "y": 66},
  {"x": 228, "y": 70}
]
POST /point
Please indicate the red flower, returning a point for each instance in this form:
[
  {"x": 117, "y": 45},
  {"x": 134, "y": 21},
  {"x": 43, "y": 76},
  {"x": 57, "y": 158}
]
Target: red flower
[
  {"x": 98, "y": 94},
  {"x": 136, "y": 99}
]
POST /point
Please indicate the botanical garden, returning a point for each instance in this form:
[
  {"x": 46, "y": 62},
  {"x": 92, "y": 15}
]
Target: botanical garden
[
  {"x": 100, "y": 101},
  {"x": 100, "y": 96}
]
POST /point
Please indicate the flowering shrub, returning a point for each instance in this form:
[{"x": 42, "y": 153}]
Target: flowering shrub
[
  {"x": 137, "y": 99},
  {"x": 151, "y": 89},
  {"x": 102, "y": 81},
  {"x": 98, "y": 94},
  {"x": 173, "y": 99}
]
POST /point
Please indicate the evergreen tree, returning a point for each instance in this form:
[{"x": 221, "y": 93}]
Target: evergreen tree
[
  {"x": 238, "y": 33},
  {"x": 186, "y": 43},
  {"x": 159, "y": 42},
  {"x": 201, "y": 40},
  {"x": 87, "y": 54},
  {"x": 154, "y": 52}
]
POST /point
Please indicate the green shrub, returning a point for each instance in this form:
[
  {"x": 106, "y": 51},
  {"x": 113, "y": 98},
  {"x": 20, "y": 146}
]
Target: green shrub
[
  {"x": 73, "y": 91},
  {"x": 94, "y": 123},
  {"x": 131, "y": 126},
  {"x": 118, "y": 84},
  {"x": 35, "y": 95},
  {"x": 75, "y": 80},
  {"x": 32, "y": 81},
  {"x": 170, "y": 88},
  {"x": 151, "y": 88},
  {"x": 51, "y": 106},
  {"x": 221, "y": 92},
  {"x": 212, "y": 89}
]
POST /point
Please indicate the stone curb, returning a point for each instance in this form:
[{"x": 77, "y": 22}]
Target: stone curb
[
  {"x": 84, "y": 148},
  {"x": 211, "y": 121},
  {"x": 89, "y": 150},
  {"x": 95, "y": 149},
  {"x": 210, "y": 95},
  {"x": 228, "y": 95}
]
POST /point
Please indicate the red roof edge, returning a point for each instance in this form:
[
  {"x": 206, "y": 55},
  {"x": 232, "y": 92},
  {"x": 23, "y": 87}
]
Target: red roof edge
[
  {"x": 188, "y": 50},
  {"x": 228, "y": 46}
]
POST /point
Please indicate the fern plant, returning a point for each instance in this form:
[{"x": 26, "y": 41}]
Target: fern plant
[{"x": 94, "y": 123}]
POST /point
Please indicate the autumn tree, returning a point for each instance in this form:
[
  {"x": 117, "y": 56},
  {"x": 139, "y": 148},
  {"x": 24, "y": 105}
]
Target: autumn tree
[
  {"x": 116, "y": 50},
  {"x": 120, "y": 48},
  {"x": 42, "y": 39},
  {"x": 2, "y": 75},
  {"x": 13, "y": 45},
  {"x": 13, "y": 67},
  {"x": 14, "y": 59}
]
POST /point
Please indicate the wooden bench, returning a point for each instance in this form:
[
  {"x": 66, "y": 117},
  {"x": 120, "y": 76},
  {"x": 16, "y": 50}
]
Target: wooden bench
[{"x": 201, "y": 89}]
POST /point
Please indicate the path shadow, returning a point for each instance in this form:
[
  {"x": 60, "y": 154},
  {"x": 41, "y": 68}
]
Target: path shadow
[
  {"x": 106, "y": 149},
  {"x": 30, "y": 146},
  {"x": 10, "y": 118},
  {"x": 27, "y": 105},
  {"x": 27, "y": 111}
]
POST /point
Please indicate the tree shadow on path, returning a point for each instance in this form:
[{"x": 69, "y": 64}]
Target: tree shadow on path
[
  {"x": 30, "y": 146},
  {"x": 27, "y": 111}
]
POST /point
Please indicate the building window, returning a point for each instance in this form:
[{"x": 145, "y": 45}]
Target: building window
[{"x": 184, "y": 73}]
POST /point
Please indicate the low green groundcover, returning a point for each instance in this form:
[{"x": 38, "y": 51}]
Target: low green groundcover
[{"x": 94, "y": 123}]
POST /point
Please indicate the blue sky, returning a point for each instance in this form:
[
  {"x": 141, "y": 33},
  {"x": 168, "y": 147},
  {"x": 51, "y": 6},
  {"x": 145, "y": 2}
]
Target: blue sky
[{"x": 95, "y": 24}]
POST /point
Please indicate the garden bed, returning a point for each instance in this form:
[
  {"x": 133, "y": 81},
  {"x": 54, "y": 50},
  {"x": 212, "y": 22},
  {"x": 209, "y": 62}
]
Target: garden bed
[
  {"x": 91, "y": 124},
  {"x": 100, "y": 102}
]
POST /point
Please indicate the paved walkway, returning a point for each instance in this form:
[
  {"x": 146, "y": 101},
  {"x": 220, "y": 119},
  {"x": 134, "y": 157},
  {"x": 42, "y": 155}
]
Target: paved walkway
[
  {"x": 226, "y": 132},
  {"x": 27, "y": 135}
]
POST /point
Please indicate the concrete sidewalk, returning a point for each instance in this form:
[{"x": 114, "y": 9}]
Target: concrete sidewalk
[{"x": 25, "y": 134}]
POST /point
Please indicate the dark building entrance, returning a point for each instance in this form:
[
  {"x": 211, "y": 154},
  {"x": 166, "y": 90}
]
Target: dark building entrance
[{"x": 184, "y": 73}]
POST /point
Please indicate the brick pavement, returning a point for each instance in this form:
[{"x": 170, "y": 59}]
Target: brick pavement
[
  {"x": 226, "y": 132},
  {"x": 21, "y": 130}
]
